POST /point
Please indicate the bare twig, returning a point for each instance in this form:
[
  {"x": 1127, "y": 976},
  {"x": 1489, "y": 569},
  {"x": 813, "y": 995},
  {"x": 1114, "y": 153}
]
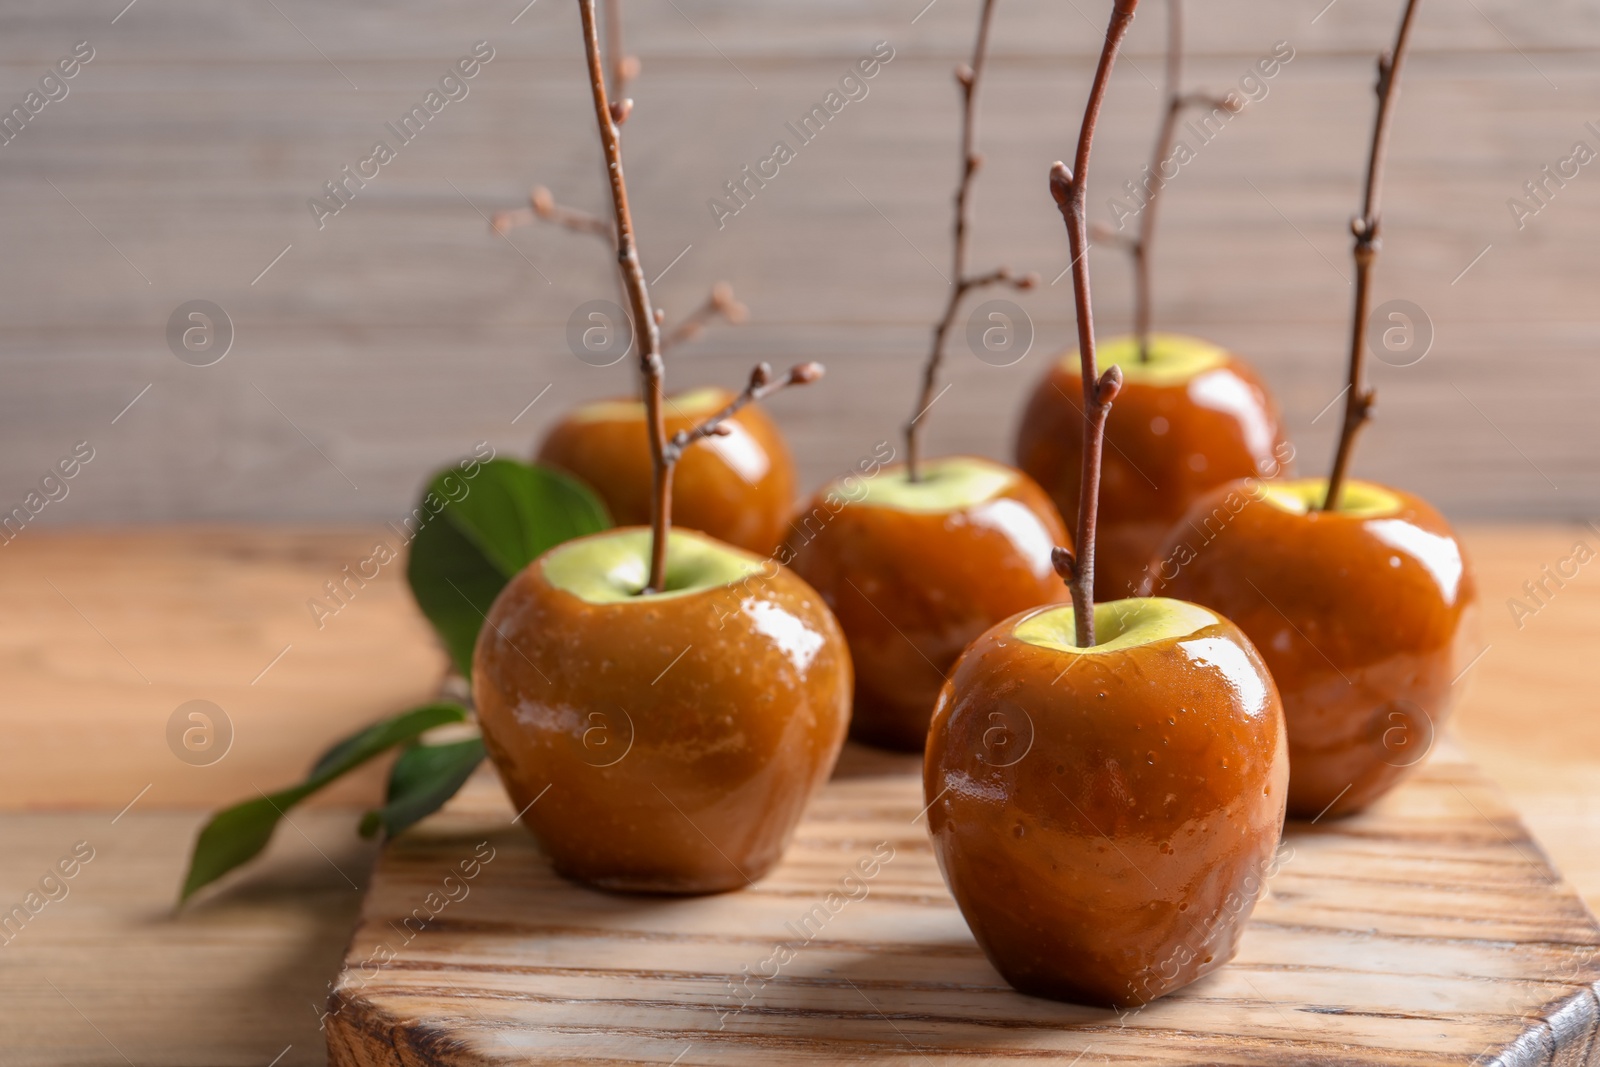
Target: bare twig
[
  {"x": 1359, "y": 397},
  {"x": 1176, "y": 102},
  {"x": 721, "y": 303},
  {"x": 664, "y": 453},
  {"x": 1069, "y": 187},
  {"x": 542, "y": 205},
  {"x": 761, "y": 386},
  {"x": 651, "y": 369},
  {"x": 968, "y": 77}
]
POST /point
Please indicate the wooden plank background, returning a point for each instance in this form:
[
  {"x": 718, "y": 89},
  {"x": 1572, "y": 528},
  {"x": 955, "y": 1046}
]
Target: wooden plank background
[{"x": 180, "y": 164}]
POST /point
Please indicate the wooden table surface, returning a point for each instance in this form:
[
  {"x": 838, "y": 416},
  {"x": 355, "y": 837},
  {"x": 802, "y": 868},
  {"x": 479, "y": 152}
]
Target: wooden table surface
[{"x": 118, "y": 628}]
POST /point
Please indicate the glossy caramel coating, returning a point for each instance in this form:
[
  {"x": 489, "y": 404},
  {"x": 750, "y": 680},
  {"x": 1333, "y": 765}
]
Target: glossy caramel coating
[
  {"x": 738, "y": 488},
  {"x": 680, "y": 736},
  {"x": 1364, "y": 620},
  {"x": 1167, "y": 444},
  {"x": 1107, "y": 831},
  {"x": 912, "y": 588}
]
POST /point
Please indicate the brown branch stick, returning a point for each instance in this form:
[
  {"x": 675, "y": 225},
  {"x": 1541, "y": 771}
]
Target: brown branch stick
[
  {"x": 968, "y": 77},
  {"x": 651, "y": 369},
  {"x": 760, "y": 386},
  {"x": 1070, "y": 190},
  {"x": 664, "y": 454},
  {"x": 1176, "y": 101},
  {"x": 721, "y": 303},
  {"x": 1359, "y": 398},
  {"x": 542, "y": 205}
]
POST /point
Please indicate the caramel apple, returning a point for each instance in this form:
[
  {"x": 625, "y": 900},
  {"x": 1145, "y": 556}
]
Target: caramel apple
[
  {"x": 1106, "y": 816},
  {"x": 661, "y": 742},
  {"x": 1364, "y": 615},
  {"x": 1189, "y": 418},
  {"x": 1105, "y": 783},
  {"x": 1358, "y": 595},
  {"x": 738, "y": 487},
  {"x": 660, "y": 705},
  {"x": 916, "y": 570}
]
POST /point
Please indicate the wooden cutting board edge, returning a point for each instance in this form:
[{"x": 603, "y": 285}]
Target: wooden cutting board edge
[{"x": 1562, "y": 1032}]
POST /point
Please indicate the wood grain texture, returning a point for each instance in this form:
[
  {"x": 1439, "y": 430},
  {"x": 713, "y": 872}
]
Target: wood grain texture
[
  {"x": 111, "y": 633},
  {"x": 1430, "y": 930},
  {"x": 401, "y": 333},
  {"x": 107, "y": 975}
]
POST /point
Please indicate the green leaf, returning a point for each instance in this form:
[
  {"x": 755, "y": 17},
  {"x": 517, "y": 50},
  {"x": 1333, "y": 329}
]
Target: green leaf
[
  {"x": 454, "y": 586},
  {"x": 381, "y": 736},
  {"x": 510, "y": 514},
  {"x": 236, "y": 835},
  {"x": 423, "y": 778}
]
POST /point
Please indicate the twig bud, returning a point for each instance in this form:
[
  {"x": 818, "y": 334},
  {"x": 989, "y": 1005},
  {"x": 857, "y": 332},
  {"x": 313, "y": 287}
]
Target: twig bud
[
  {"x": 661, "y": 316},
  {"x": 805, "y": 373},
  {"x": 1061, "y": 183},
  {"x": 1110, "y": 384},
  {"x": 727, "y": 305},
  {"x": 1064, "y": 562},
  {"x": 964, "y": 75},
  {"x": 1028, "y": 281},
  {"x": 620, "y": 110},
  {"x": 544, "y": 204},
  {"x": 760, "y": 375}
]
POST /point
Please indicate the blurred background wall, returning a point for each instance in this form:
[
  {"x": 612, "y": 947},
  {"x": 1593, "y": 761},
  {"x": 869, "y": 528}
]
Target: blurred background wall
[{"x": 369, "y": 346}]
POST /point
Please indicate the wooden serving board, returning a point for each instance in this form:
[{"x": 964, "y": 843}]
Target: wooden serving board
[{"x": 1431, "y": 930}]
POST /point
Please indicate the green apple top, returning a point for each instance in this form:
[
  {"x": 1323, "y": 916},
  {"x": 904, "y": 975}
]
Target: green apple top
[
  {"x": 984, "y": 493},
  {"x": 1119, "y": 624},
  {"x": 1360, "y": 500},
  {"x": 1174, "y": 358},
  {"x": 951, "y": 483},
  {"x": 1205, "y": 639},
  {"x": 694, "y": 404},
  {"x": 612, "y": 567}
]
